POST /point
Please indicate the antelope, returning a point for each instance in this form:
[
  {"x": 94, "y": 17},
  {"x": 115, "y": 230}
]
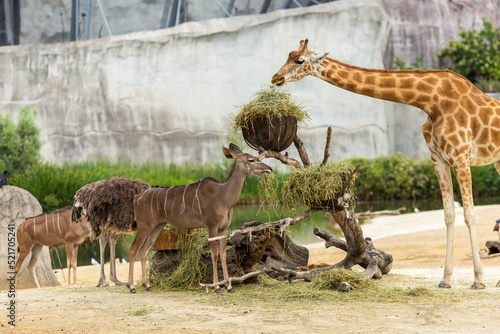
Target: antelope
[
  {"x": 50, "y": 229},
  {"x": 203, "y": 204}
]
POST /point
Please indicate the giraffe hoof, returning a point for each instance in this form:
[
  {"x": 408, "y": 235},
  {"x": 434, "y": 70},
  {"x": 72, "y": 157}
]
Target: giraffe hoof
[
  {"x": 231, "y": 290},
  {"x": 133, "y": 290},
  {"x": 498, "y": 284},
  {"x": 149, "y": 289},
  {"x": 444, "y": 285},
  {"x": 218, "y": 291},
  {"x": 477, "y": 286}
]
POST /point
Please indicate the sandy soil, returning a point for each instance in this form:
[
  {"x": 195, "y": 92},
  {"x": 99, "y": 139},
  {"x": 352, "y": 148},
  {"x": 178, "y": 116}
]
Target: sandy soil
[{"x": 416, "y": 241}]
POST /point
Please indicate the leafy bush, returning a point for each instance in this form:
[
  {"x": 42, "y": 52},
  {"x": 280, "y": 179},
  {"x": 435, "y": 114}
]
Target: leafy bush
[
  {"x": 477, "y": 55},
  {"x": 19, "y": 144}
]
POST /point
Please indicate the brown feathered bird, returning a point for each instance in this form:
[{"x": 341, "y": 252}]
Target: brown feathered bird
[{"x": 108, "y": 206}]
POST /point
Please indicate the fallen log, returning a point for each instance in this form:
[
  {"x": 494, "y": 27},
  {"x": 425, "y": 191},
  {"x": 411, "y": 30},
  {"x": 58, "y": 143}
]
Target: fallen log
[{"x": 369, "y": 214}]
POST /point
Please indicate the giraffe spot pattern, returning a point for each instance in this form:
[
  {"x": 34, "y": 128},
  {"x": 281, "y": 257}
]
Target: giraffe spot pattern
[{"x": 407, "y": 83}]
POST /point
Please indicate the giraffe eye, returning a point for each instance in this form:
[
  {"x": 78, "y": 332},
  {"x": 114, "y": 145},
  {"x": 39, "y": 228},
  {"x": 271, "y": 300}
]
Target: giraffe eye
[{"x": 299, "y": 61}]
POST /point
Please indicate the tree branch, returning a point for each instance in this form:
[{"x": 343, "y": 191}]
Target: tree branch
[
  {"x": 327, "y": 146},
  {"x": 284, "y": 223},
  {"x": 299, "y": 144},
  {"x": 278, "y": 156}
]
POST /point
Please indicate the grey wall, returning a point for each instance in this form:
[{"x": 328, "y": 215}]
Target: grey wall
[{"x": 167, "y": 95}]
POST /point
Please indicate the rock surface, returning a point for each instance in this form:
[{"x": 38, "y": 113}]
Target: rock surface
[{"x": 16, "y": 205}]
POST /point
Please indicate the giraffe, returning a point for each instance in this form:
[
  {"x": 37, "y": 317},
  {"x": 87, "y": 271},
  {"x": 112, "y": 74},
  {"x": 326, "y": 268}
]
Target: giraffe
[{"x": 462, "y": 127}]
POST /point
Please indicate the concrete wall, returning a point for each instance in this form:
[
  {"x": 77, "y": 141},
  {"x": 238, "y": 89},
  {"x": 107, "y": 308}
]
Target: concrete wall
[{"x": 167, "y": 95}]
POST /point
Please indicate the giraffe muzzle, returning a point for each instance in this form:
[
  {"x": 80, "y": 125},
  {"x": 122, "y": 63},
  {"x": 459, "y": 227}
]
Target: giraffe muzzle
[{"x": 278, "y": 80}]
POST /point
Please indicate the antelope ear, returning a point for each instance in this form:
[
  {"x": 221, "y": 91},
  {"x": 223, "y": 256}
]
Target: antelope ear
[
  {"x": 227, "y": 153},
  {"x": 318, "y": 58}
]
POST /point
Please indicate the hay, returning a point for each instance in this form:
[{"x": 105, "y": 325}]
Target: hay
[
  {"x": 331, "y": 280},
  {"x": 269, "y": 102},
  {"x": 317, "y": 187},
  {"x": 191, "y": 269}
]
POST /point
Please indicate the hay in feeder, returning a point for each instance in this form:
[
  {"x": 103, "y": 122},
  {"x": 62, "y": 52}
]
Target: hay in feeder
[
  {"x": 269, "y": 102},
  {"x": 269, "y": 121},
  {"x": 317, "y": 187},
  {"x": 331, "y": 280}
]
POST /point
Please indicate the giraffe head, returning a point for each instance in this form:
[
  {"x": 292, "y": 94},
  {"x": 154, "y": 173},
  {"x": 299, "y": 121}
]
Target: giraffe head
[{"x": 300, "y": 63}]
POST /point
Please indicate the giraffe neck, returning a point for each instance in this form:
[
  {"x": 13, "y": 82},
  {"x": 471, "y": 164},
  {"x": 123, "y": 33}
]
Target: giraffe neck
[{"x": 411, "y": 87}]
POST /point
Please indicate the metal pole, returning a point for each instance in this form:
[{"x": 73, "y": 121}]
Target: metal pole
[
  {"x": 104, "y": 18},
  {"x": 265, "y": 6},
  {"x": 86, "y": 27},
  {"x": 73, "y": 35},
  {"x": 178, "y": 16},
  {"x": 8, "y": 21},
  {"x": 173, "y": 13},
  {"x": 163, "y": 23},
  {"x": 230, "y": 7}
]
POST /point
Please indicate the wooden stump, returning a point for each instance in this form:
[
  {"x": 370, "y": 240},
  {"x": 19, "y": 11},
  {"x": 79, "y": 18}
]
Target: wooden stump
[
  {"x": 493, "y": 247},
  {"x": 243, "y": 253}
]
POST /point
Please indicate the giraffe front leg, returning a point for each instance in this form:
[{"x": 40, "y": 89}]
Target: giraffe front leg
[
  {"x": 443, "y": 174},
  {"x": 465, "y": 182}
]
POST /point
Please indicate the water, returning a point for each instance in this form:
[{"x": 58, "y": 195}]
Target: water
[{"x": 301, "y": 233}]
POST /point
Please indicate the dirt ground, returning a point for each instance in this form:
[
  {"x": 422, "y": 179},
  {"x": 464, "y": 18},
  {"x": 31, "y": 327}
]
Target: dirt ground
[{"x": 418, "y": 261}]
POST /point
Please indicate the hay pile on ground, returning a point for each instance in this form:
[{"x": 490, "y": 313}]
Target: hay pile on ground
[
  {"x": 333, "y": 278},
  {"x": 191, "y": 269},
  {"x": 269, "y": 102}
]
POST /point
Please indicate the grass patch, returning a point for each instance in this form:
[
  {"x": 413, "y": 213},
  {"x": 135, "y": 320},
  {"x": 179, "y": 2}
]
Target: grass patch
[
  {"x": 272, "y": 293},
  {"x": 141, "y": 312}
]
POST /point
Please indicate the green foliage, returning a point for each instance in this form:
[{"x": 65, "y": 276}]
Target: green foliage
[
  {"x": 394, "y": 177},
  {"x": 55, "y": 185},
  {"x": 19, "y": 144},
  {"x": 477, "y": 55},
  {"x": 401, "y": 65}
]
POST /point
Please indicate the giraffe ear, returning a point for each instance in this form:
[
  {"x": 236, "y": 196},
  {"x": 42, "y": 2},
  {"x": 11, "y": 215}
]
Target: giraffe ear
[{"x": 319, "y": 57}]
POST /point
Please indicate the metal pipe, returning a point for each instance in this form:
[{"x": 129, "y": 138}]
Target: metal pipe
[
  {"x": 86, "y": 27},
  {"x": 104, "y": 18}
]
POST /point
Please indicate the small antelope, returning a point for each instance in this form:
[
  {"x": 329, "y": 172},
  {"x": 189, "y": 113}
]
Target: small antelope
[
  {"x": 50, "y": 229},
  {"x": 203, "y": 204}
]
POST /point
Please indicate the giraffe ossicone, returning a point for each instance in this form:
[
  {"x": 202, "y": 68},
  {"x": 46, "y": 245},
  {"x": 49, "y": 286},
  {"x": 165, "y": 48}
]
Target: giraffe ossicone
[{"x": 462, "y": 128}]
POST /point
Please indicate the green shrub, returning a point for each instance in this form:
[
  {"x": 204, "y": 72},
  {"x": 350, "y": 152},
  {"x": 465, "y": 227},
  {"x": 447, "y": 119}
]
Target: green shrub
[
  {"x": 477, "y": 55},
  {"x": 19, "y": 144}
]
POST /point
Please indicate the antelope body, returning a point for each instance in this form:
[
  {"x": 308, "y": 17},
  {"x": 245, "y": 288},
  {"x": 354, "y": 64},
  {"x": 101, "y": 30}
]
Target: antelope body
[
  {"x": 50, "y": 229},
  {"x": 203, "y": 204}
]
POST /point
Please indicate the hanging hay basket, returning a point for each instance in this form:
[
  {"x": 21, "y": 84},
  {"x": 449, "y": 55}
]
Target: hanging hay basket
[
  {"x": 269, "y": 120},
  {"x": 317, "y": 187},
  {"x": 275, "y": 134}
]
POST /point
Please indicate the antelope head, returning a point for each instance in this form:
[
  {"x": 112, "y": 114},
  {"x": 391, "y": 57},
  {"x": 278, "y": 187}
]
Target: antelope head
[{"x": 246, "y": 162}]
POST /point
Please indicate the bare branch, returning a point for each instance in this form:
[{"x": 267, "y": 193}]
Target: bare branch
[
  {"x": 327, "y": 146},
  {"x": 299, "y": 144},
  {"x": 285, "y": 222},
  {"x": 283, "y": 158}
]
